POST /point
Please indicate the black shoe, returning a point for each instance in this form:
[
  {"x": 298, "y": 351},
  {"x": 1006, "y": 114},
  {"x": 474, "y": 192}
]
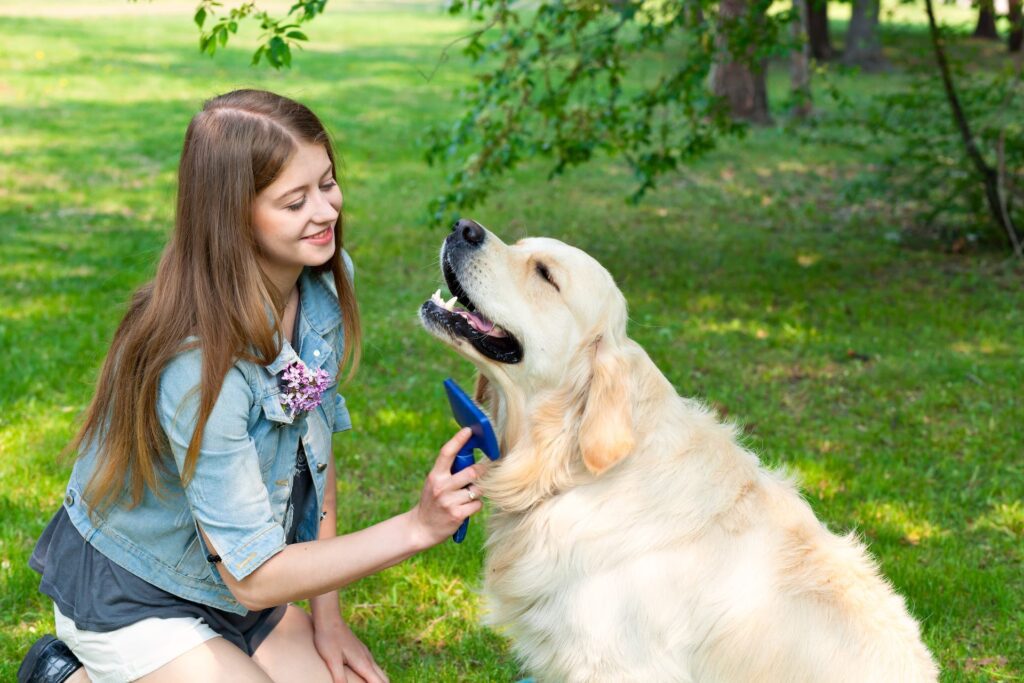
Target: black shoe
[{"x": 48, "y": 661}]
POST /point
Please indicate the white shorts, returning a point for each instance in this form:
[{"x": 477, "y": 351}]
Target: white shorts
[{"x": 133, "y": 651}]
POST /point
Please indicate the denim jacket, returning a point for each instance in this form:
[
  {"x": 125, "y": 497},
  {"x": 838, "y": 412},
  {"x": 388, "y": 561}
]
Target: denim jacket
[{"x": 243, "y": 478}]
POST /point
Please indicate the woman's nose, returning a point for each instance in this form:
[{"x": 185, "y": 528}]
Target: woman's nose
[{"x": 325, "y": 211}]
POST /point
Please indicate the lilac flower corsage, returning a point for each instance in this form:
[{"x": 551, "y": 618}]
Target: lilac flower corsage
[{"x": 302, "y": 387}]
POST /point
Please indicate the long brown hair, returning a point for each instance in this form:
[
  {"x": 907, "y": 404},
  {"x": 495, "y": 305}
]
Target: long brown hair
[{"x": 208, "y": 284}]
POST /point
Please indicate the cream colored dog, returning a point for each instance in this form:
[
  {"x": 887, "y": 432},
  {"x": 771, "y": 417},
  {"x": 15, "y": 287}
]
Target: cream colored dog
[{"x": 632, "y": 538}]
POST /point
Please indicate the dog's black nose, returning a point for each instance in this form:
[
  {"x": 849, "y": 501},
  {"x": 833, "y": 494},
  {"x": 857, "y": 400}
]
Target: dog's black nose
[{"x": 470, "y": 230}]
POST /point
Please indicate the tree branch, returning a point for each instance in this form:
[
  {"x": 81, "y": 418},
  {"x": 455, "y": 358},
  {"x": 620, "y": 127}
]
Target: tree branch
[{"x": 989, "y": 175}]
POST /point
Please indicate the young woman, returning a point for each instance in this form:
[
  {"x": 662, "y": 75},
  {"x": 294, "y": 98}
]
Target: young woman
[{"x": 202, "y": 501}]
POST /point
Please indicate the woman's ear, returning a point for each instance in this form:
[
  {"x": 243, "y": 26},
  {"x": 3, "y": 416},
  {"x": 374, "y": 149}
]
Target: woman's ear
[{"x": 606, "y": 426}]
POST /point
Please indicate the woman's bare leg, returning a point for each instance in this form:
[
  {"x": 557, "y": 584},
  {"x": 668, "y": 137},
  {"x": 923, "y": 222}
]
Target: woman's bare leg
[
  {"x": 213, "y": 661},
  {"x": 288, "y": 653}
]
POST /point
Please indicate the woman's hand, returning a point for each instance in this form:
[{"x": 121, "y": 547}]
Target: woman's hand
[
  {"x": 345, "y": 655},
  {"x": 447, "y": 498}
]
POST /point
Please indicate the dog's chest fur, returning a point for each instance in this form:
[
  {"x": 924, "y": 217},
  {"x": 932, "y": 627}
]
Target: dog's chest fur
[{"x": 610, "y": 567}]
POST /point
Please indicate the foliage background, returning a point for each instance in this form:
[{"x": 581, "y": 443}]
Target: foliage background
[{"x": 887, "y": 377}]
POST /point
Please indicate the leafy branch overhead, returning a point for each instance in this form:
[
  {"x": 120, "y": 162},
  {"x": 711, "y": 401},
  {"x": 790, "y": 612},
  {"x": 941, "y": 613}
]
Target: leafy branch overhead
[
  {"x": 280, "y": 34},
  {"x": 658, "y": 83},
  {"x": 568, "y": 80}
]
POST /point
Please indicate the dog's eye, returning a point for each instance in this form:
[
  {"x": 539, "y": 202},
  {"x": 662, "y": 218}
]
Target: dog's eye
[{"x": 543, "y": 271}]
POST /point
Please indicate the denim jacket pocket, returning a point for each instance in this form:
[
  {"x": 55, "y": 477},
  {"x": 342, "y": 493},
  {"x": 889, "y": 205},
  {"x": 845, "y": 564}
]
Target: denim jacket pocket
[{"x": 193, "y": 561}]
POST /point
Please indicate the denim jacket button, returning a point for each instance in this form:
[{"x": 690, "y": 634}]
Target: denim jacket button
[
  {"x": 69, "y": 499},
  {"x": 321, "y": 467},
  {"x": 316, "y": 352}
]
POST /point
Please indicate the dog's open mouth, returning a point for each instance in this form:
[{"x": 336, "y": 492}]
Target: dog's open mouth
[{"x": 468, "y": 322}]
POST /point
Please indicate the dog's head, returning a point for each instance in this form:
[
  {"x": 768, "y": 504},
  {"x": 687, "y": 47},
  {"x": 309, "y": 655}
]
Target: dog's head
[{"x": 545, "y": 323}]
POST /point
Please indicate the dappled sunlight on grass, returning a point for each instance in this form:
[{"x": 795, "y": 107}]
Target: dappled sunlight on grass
[
  {"x": 20, "y": 182},
  {"x": 816, "y": 479},
  {"x": 1007, "y": 518},
  {"x": 807, "y": 260},
  {"x": 983, "y": 347},
  {"x": 388, "y": 417},
  {"x": 900, "y": 520},
  {"x": 783, "y": 332}
]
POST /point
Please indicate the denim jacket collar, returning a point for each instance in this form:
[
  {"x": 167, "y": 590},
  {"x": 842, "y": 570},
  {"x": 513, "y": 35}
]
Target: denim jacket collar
[{"x": 319, "y": 316}]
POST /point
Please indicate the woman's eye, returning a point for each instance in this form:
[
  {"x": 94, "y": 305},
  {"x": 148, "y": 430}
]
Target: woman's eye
[{"x": 299, "y": 204}]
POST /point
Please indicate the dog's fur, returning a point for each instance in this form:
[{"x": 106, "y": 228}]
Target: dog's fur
[{"x": 632, "y": 538}]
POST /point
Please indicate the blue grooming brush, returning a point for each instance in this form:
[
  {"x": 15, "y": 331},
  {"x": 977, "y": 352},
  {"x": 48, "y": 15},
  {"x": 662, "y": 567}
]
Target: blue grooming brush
[{"x": 467, "y": 414}]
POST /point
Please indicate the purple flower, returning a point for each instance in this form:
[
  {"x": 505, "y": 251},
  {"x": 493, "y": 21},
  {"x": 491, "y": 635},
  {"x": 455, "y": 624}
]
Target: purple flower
[{"x": 303, "y": 387}]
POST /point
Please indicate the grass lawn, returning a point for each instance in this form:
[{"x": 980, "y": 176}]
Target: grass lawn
[{"x": 888, "y": 378}]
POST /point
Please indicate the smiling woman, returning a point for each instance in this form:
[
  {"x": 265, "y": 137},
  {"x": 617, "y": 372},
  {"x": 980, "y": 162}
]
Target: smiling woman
[
  {"x": 294, "y": 217},
  {"x": 203, "y": 498}
]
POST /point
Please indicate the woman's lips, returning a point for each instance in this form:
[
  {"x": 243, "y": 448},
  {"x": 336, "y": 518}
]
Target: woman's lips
[{"x": 322, "y": 237}]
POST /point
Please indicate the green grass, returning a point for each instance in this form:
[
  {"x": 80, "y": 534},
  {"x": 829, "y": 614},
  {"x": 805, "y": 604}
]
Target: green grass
[{"x": 888, "y": 378}]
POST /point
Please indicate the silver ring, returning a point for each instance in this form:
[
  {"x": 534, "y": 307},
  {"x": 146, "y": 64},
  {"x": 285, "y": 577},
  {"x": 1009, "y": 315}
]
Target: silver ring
[{"x": 472, "y": 496}]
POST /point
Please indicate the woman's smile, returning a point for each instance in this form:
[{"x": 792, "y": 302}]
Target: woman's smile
[{"x": 325, "y": 236}]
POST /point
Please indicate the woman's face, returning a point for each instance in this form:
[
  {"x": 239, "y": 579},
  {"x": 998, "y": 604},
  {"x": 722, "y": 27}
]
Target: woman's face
[{"x": 296, "y": 215}]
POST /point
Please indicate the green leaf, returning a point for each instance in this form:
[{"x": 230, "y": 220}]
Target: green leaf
[
  {"x": 278, "y": 53},
  {"x": 297, "y": 35},
  {"x": 256, "y": 56},
  {"x": 200, "y": 17}
]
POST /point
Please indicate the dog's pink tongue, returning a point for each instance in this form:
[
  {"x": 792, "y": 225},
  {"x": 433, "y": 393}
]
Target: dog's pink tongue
[{"x": 482, "y": 324}]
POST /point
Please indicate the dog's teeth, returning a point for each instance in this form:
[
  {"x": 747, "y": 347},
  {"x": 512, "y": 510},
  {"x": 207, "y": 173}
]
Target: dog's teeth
[
  {"x": 436, "y": 298},
  {"x": 450, "y": 304}
]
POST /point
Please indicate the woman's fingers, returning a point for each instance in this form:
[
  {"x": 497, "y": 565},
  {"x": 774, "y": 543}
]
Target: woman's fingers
[
  {"x": 444, "y": 461},
  {"x": 463, "y": 478},
  {"x": 460, "y": 505},
  {"x": 367, "y": 670},
  {"x": 447, "y": 499}
]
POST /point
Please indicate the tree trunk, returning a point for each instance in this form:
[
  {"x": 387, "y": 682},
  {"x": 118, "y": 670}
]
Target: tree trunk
[
  {"x": 863, "y": 47},
  {"x": 738, "y": 79},
  {"x": 986, "y": 27},
  {"x": 817, "y": 30},
  {"x": 695, "y": 12},
  {"x": 1016, "y": 26},
  {"x": 799, "y": 68}
]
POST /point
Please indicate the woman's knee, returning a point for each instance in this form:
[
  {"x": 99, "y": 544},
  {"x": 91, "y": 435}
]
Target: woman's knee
[{"x": 288, "y": 653}]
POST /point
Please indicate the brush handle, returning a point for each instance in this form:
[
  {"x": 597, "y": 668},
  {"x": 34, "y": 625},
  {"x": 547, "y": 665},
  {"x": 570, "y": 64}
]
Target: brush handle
[{"x": 462, "y": 461}]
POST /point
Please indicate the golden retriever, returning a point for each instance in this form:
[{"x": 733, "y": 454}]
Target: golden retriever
[{"x": 631, "y": 537}]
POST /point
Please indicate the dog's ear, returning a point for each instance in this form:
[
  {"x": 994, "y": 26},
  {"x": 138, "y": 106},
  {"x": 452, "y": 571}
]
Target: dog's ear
[
  {"x": 488, "y": 396},
  {"x": 606, "y": 426},
  {"x": 483, "y": 393}
]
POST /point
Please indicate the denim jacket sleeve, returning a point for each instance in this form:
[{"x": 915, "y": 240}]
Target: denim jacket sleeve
[{"x": 226, "y": 494}]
